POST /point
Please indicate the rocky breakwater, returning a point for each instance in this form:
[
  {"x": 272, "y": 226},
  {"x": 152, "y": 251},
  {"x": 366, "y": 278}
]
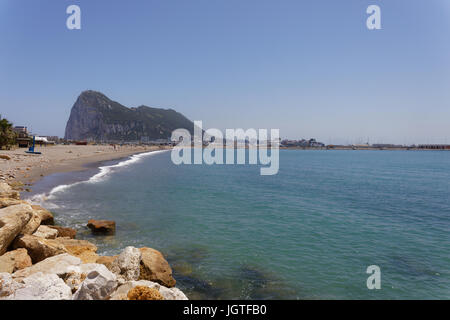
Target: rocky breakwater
[{"x": 39, "y": 261}]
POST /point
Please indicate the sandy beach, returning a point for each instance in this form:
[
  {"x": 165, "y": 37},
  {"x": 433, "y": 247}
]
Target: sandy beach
[{"x": 16, "y": 165}]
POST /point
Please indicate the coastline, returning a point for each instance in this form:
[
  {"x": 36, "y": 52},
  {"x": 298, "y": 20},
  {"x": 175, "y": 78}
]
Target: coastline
[
  {"x": 36, "y": 252},
  {"x": 27, "y": 169}
]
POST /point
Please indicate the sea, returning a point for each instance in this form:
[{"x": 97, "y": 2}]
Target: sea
[{"x": 311, "y": 231}]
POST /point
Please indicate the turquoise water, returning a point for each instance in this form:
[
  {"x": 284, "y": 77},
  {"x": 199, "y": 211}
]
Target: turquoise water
[{"x": 309, "y": 232}]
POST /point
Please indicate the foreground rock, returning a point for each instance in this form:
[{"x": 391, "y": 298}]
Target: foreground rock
[
  {"x": 46, "y": 232},
  {"x": 64, "y": 277},
  {"x": 6, "y": 202},
  {"x": 75, "y": 275},
  {"x": 39, "y": 248},
  {"x": 45, "y": 215},
  {"x": 82, "y": 249},
  {"x": 127, "y": 265},
  {"x": 98, "y": 285},
  {"x": 38, "y": 286},
  {"x": 32, "y": 224},
  {"x": 7, "y": 192},
  {"x": 8, "y": 286},
  {"x": 12, "y": 220},
  {"x": 65, "y": 268},
  {"x": 14, "y": 260},
  {"x": 58, "y": 265},
  {"x": 41, "y": 286},
  {"x": 102, "y": 226},
  {"x": 168, "y": 293},
  {"x": 64, "y": 232},
  {"x": 154, "y": 267}
]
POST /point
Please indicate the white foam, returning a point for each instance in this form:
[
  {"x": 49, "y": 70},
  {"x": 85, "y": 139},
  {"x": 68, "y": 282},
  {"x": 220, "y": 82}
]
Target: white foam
[
  {"x": 100, "y": 176},
  {"x": 104, "y": 171}
]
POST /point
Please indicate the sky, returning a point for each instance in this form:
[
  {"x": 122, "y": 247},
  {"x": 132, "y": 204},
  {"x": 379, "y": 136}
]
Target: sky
[{"x": 309, "y": 68}]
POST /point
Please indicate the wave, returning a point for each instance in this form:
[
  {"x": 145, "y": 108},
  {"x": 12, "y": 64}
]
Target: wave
[{"x": 103, "y": 173}]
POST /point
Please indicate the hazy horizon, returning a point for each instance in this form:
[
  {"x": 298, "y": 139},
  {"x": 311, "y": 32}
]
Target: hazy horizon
[{"x": 309, "y": 68}]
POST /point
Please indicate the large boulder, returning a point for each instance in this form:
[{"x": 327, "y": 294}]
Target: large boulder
[
  {"x": 7, "y": 192},
  {"x": 58, "y": 265},
  {"x": 40, "y": 286},
  {"x": 32, "y": 225},
  {"x": 12, "y": 220},
  {"x": 127, "y": 265},
  {"x": 82, "y": 249},
  {"x": 39, "y": 248},
  {"x": 102, "y": 226},
  {"x": 154, "y": 267},
  {"x": 64, "y": 232},
  {"x": 45, "y": 215},
  {"x": 168, "y": 293},
  {"x": 14, "y": 260},
  {"x": 98, "y": 285},
  {"x": 46, "y": 232}
]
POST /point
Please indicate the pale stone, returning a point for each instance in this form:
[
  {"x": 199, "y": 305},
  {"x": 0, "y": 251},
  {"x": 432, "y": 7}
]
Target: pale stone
[
  {"x": 98, "y": 285},
  {"x": 127, "y": 265},
  {"x": 75, "y": 275},
  {"x": 40, "y": 286},
  {"x": 12, "y": 220},
  {"x": 55, "y": 265},
  {"x": 64, "y": 232},
  {"x": 8, "y": 286},
  {"x": 6, "y": 202},
  {"x": 46, "y": 232}
]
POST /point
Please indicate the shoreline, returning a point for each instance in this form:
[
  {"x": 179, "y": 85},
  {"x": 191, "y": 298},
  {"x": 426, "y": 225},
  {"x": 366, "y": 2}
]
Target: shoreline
[
  {"x": 90, "y": 171},
  {"x": 25, "y": 169}
]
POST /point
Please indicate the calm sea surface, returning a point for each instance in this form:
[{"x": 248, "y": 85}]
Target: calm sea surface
[{"x": 309, "y": 232}]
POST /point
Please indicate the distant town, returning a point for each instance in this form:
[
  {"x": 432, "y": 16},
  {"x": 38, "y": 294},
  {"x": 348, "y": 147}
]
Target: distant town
[
  {"x": 24, "y": 139},
  {"x": 313, "y": 144}
]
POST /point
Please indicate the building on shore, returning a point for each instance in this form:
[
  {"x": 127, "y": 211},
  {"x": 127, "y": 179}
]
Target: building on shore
[
  {"x": 23, "y": 138},
  {"x": 43, "y": 141},
  {"x": 311, "y": 143},
  {"x": 434, "y": 146}
]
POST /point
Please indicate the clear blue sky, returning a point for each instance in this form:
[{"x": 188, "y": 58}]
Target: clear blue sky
[{"x": 310, "y": 68}]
